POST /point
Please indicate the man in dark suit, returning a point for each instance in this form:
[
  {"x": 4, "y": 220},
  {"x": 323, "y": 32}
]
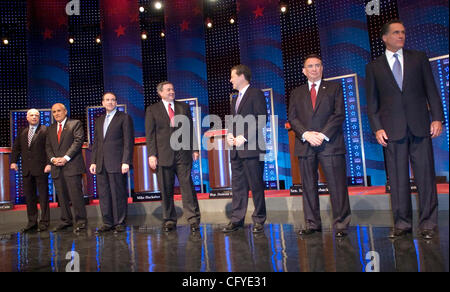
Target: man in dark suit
[
  {"x": 64, "y": 142},
  {"x": 160, "y": 126},
  {"x": 30, "y": 145},
  {"x": 316, "y": 115},
  {"x": 112, "y": 156},
  {"x": 247, "y": 152},
  {"x": 401, "y": 96}
]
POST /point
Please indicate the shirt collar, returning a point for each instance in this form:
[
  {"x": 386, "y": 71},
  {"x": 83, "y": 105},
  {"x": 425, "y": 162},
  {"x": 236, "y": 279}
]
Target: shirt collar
[
  {"x": 113, "y": 112},
  {"x": 317, "y": 83},
  {"x": 243, "y": 90},
  {"x": 390, "y": 54}
]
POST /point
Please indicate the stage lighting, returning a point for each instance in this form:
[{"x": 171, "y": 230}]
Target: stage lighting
[
  {"x": 283, "y": 8},
  {"x": 310, "y": 2},
  {"x": 141, "y": 9},
  {"x": 71, "y": 40},
  {"x": 209, "y": 23},
  {"x": 98, "y": 40},
  {"x": 5, "y": 42},
  {"x": 158, "y": 5},
  {"x": 232, "y": 21},
  {"x": 144, "y": 35},
  {"x": 163, "y": 34}
]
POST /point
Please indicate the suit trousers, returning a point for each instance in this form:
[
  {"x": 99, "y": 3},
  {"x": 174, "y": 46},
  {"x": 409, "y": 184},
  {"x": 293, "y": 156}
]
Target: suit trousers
[
  {"x": 113, "y": 196},
  {"x": 30, "y": 185},
  {"x": 69, "y": 190},
  {"x": 166, "y": 181},
  {"x": 419, "y": 151},
  {"x": 334, "y": 167},
  {"x": 247, "y": 173}
]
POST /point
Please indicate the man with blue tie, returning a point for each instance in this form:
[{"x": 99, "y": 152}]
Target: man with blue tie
[
  {"x": 112, "y": 156},
  {"x": 247, "y": 151},
  {"x": 405, "y": 113},
  {"x": 30, "y": 145}
]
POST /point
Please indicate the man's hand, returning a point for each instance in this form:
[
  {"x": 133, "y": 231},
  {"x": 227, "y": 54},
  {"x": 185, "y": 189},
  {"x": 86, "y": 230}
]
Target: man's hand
[
  {"x": 153, "y": 162},
  {"x": 313, "y": 138},
  {"x": 125, "y": 168},
  {"x": 436, "y": 129},
  {"x": 239, "y": 141},
  {"x": 381, "y": 137},
  {"x": 195, "y": 155},
  {"x": 230, "y": 140},
  {"x": 93, "y": 169},
  {"x": 47, "y": 168},
  {"x": 14, "y": 166}
]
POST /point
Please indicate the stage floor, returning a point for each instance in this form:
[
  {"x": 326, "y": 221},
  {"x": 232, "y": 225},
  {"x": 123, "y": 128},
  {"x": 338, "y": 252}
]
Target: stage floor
[{"x": 144, "y": 247}]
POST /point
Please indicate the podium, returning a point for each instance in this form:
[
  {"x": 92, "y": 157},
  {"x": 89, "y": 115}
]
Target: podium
[
  {"x": 6, "y": 202},
  {"x": 219, "y": 164},
  {"x": 145, "y": 180}
]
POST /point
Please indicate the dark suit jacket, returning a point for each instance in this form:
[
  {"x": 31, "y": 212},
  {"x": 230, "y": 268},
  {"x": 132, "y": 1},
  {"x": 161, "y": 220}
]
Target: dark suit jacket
[
  {"x": 327, "y": 118},
  {"x": 72, "y": 138},
  {"x": 253, "y": 104},
  {"x": 158, "y": 133},
  {"x": 34, "y": 158},
  {"x": 394, "y": 110},
  {"x": 117, "y": 145}
]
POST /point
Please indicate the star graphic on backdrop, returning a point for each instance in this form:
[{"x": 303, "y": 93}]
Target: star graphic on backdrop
[
  {"x": 48, "y": 34},
  {"x": 258, "y": 11},
  {"x": 120, "y": 30},
  {"x": 184, "y": 25}
]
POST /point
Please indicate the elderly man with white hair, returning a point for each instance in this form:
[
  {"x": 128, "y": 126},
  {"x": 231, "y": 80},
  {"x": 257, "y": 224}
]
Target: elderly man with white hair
[{"x": 30, "y": 145}]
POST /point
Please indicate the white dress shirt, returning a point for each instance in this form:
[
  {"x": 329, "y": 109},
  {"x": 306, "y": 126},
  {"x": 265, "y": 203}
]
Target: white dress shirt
[{"x": 391, "y": 59}]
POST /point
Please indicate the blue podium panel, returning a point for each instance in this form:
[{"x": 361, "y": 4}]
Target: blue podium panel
[
  {"x": 18, "y": 122},
  {"x": 353, "y": 133},
  {"x": 440, "y": 69}
]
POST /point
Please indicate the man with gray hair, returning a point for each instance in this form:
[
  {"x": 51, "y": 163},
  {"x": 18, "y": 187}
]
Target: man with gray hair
[{"x": 30, "y": 145}]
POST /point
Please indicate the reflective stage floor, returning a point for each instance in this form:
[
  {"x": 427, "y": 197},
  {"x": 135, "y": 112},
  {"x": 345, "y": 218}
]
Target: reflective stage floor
[{"x": 144, "y": 247}]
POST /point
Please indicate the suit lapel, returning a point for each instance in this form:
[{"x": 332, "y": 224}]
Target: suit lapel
[
  {"x": 63, "y": 133},
  {"x": 406, "y": 64},
  {"x": 320, "y": 94},
  {"x": 307, "y": 99},
  {"x": 245, "y": 98},
  {"x": 387, "y": 68},
  {"x": 111, "y": 123},
  {"x": 36, "y": 133}
]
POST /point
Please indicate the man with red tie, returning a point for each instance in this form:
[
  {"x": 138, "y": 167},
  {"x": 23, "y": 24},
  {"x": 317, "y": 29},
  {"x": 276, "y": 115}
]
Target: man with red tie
[
  {"x": 160, "y": 125},
  {"x": 63, "y": 146},
  {"x": 316, "y": 115}
]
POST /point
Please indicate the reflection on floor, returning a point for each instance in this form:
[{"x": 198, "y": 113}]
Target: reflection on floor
[{"x": 145, "y": 247}]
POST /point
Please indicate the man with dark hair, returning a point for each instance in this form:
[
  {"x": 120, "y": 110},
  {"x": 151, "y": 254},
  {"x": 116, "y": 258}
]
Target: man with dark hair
[
  {"x": 248, "y": 147},
  {"x": 30, "y": 145},
  {"x": 316, "y": 115},
  {"x": 112, "y": 156},
  {"x": 159, "y": 128},
  {"x": 63, "y": 146},
  {"x": 401, "y": 97}
]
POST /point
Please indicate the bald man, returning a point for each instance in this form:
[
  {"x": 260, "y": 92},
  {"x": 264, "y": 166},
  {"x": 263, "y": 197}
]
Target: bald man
[
  {"x": 30, "y": 145},
  {"x": 64, "y": 143}
]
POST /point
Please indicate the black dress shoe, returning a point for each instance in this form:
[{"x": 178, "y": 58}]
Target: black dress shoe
[
  {"x": 169, "y": 226},
  {"x": 308, "y": 231},
  {"x": 195, "y": 227},
  {"x": 231, "y": 227},
  {"x": 394, "y": 233},
  {"x": 79, "y": 227},
  {"x": 427, "y": 234},
  {"x": 29, "y": 227},
  {"x": 103, "y": 229},
  {"x": 340, "y": 234},
  {"x": 42, "y": 227},
  {"x": 258, "y": 228},
  {"x": 119, "y": 228},
  {"x": 62, "y": 227}
]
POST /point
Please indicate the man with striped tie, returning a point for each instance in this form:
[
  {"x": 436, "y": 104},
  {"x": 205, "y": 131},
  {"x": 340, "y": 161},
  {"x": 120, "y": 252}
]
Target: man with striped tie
[
  {"x": 30, "y": 145},
  {"x": 405, "y": 113}
]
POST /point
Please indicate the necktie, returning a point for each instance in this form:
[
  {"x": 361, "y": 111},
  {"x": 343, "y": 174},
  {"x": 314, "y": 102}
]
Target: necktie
[
  {"x": 397, "y": 71},
  {"x": 59, "y": 132},
  {"x": 105, "y": 125},
  {"x": 238, "y": 102},
  {"x": 30, "y": 135},
  {"x": 313, "y": 95},
  {"x": 171, "y": 115}
]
